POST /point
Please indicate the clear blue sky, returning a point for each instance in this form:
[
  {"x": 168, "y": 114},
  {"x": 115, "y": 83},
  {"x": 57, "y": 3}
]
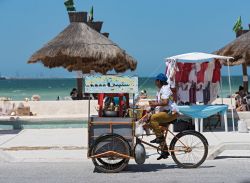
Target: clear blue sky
[{"x": 149, "y": 30}]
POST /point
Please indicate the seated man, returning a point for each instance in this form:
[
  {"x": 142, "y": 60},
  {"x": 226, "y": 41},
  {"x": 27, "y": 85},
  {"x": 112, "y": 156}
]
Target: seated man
[
  {"x": 143, "y": 94},
  {"x": 74, "y": 94},
  {"x": 239, "y": 99},
  {"x": 164, "y": 110}
]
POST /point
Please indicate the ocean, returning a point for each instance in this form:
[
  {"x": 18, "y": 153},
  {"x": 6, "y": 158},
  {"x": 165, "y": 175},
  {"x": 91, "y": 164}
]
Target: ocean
[{"x": 50, "y": 89}]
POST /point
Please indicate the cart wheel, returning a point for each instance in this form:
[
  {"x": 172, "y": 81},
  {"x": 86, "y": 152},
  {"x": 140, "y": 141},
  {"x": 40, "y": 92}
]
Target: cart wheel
[
  {"x": 111, "y": 153},
  {"x": 189, "y": 149}
]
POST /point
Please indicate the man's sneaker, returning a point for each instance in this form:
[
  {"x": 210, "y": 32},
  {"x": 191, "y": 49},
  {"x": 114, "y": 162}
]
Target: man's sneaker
[
  {"x": 158, "y": 140},
  {"x": 164, "y": 155}
]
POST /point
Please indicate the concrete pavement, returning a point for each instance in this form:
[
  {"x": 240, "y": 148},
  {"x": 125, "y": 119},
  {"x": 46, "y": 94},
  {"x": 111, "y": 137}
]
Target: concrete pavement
[
  {"x": 46, "y": 145},
  {"x": 232, "y": 170}
]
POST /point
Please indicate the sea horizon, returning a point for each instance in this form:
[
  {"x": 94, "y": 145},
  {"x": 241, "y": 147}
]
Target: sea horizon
[
  {"x": 70, "y": 77},
  {"x": 52, "y": 88}
]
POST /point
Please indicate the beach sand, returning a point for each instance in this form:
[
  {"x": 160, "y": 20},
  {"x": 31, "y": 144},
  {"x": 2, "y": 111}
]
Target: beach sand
[{"x": 52, "y": 110}]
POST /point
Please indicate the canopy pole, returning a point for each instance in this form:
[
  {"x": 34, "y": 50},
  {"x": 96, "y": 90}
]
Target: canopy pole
[
  {"x": 221, "y": 92},
  {"x": 230, "y": 89}
]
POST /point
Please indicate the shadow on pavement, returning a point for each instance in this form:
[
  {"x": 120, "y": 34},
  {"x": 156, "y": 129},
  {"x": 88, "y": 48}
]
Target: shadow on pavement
[
  {"x": 134, "y": 168},
  {"x": 148, "y": 168},
  {"x": 153, "y": 167},
  {"x": 5, "y": 132},
  {"x": 227, "y": 157}
]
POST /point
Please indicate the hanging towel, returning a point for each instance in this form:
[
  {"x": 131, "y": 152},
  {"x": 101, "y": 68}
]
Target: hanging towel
[
  {"x": 206, "y": 93},
  {"x": 199, "y": 92},
  {"x": 183, "y": 92},
  {"x": 187, "y": 67},
  {"x": 192, "y": 93},
  {"x": 214, "y": 91},
  {"x": 192, "y": 75},
  {"x": 209, "y": 72},
  {"x": 216, "y": 72},
  {"x": 179, "y": 70},
  {"x": 170, "y": 72},
  {"x": 201, "y": 72}
]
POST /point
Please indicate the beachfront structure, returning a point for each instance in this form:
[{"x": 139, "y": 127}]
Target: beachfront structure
[
  {"x": 81, "y": 48},
  {"x": 205, "y": 110},
  {"x": 240, "y": 50}
]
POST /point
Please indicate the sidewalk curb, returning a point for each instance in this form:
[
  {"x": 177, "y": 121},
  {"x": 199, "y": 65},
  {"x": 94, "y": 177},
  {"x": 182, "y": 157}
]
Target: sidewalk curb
[
  {"x": 7, "y": 154},
  {"x": 37, "y": 148},
  {"x": 227, "y": 146},
  {"x": 5, "y": 157},
  {"x": 16, "y": 133}
]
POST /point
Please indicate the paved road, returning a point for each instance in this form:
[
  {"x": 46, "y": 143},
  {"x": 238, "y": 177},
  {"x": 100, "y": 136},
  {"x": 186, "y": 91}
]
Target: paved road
[{"x": 235, "y": 170}]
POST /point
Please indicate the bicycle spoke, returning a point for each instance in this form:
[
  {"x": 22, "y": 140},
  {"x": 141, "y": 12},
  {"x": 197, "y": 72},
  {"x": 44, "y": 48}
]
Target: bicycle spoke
[{"x": 192, "y": 152}]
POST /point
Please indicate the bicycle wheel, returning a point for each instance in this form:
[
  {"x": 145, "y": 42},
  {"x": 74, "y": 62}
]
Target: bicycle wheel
[
  {"x": 189, "y": 149},
  {"x": 117, "y": 159}
]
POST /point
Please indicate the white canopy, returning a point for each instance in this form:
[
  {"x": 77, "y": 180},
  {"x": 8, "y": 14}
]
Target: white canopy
[{"x": 197, "y": 56}]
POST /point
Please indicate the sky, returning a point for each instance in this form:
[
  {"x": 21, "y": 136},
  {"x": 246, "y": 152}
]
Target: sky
[{"x": 149, "y": 30}]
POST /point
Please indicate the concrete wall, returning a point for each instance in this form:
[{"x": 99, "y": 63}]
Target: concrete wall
[{"x": 79, "y": 109}]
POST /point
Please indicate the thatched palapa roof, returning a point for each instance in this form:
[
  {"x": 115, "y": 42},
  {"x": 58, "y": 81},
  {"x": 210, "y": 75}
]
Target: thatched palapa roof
[
  {"x": 239, "y": 49},
  {"x": 79, "y": 47}
]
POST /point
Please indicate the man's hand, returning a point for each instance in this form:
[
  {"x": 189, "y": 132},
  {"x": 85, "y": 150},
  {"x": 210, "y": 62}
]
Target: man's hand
[
  {"x": 152, "y": 103},
  {"x": 163, "y": 102}
]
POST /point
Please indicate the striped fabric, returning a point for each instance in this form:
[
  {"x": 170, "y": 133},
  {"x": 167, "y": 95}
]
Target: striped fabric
[
  {"x": 69, "y": 4},
  {"x": 238, "y": 25}
]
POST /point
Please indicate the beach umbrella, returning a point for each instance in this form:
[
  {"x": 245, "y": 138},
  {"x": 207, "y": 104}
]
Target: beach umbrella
[
  {"x": 81, "y": 48},
  {"x": 240, "y": 50}
]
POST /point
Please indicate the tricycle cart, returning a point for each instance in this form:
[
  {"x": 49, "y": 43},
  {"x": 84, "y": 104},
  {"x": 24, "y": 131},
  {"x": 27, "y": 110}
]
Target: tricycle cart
[{"x": 112, "y": 141}]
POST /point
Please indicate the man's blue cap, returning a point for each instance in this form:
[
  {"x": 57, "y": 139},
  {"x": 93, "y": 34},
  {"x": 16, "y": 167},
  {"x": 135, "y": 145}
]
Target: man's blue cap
[{"x": 161, "y": 77}]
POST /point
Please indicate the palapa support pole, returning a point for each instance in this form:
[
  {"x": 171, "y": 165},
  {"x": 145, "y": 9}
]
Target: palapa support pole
[
  {"x": 79, "y": 82},
  {"x": 244, "y": 65},
  {"x": 78, "y": 17},
  {"x": 79, "y": 88},
  {"x": 81, "y": 17},
  {"x": 245, "y": 76}
]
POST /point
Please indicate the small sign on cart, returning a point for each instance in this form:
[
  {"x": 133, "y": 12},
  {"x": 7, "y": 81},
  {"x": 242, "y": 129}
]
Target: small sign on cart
[{"x": 111, "y": 84}]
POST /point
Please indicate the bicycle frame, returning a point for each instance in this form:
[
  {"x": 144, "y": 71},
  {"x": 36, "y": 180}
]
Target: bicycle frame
[{"x": 164, "y": 143}]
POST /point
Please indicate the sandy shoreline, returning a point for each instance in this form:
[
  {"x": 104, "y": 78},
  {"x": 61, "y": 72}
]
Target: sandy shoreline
[{"x": 53, "y": 110}]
